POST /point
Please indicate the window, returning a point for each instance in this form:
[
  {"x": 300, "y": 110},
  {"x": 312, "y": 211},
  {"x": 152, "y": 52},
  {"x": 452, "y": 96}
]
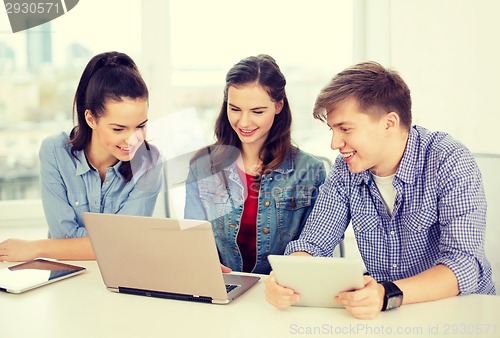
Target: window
[
  {"x": 309, "y": 43},
  {"x": 41, "y": 66},
  {"x": 39, "y": 72}
]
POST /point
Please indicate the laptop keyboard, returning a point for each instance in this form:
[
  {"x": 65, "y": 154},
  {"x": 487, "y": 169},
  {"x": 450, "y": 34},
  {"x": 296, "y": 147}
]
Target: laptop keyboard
[{"x": 230, "y": 287}]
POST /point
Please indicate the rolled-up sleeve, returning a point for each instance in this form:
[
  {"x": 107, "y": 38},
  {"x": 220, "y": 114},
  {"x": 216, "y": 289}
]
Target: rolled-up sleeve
[
  {"x": 462, "y": 217},
  {"x": 327, "y": 222},
  {"x": 59, "y": 210}
]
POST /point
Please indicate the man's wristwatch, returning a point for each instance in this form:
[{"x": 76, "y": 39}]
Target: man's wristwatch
[{"x": 393, "y": 297}]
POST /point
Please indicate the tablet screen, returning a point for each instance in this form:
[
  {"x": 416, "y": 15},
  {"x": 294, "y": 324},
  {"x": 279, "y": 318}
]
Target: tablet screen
[{"x": 35, "y": 273}]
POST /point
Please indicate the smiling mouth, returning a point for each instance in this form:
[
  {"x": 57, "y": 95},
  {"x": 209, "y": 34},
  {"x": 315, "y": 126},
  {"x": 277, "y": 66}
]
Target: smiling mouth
[
  {"x": 245, "y": 132},
  {"x": 349, "y": 155},
  {"x": 126, "y": 149}
]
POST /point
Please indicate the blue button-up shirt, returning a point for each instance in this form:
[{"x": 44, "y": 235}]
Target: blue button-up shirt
[
  {"x": 69, "y": 186},
  {"x": 286, "y": 197},
  {"x": 439, "y": 215}
]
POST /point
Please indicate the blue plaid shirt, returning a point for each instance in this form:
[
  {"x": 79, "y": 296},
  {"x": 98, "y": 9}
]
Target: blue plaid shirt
[{"x": 439, "y": 215}]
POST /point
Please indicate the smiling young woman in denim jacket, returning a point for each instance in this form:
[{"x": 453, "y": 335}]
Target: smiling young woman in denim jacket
[{"x": 252, "y": 184}]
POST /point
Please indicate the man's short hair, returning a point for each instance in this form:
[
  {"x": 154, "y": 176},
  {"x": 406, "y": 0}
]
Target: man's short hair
[{"x": 376, "y": 89}]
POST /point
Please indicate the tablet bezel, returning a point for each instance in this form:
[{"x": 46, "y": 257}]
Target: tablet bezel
[
  {"x": 318, "y": 279},
  {"x": 7, "y": 285}
]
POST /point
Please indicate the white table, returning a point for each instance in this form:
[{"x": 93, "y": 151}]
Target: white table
[{"x": 81, "y": 306}]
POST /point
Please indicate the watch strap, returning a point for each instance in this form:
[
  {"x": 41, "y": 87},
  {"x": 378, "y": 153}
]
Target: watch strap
[{"x": 391, "y": 290}]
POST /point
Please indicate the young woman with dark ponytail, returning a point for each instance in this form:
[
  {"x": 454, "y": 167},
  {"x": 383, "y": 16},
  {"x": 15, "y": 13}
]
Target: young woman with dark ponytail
[{"x": 104, "y": 165}]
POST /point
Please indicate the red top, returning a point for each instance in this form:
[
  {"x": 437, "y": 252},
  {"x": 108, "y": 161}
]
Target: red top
[{"x": 247, "y": 235}]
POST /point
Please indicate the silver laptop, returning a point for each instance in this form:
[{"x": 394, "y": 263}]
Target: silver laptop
[
  {"x": 162, "y": 257},
  {"x": 318, "y": 279}
]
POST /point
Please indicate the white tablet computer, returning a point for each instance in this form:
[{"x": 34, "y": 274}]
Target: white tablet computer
[
  {"x": 33, "y": 274},
  {"x": 317, "y": 279}
]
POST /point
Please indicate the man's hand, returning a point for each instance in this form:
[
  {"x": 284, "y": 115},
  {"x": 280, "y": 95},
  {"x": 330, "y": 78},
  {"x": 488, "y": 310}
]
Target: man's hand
[
  {"x": 365, "y": 303},
  {"x": 277, "y": 295}
]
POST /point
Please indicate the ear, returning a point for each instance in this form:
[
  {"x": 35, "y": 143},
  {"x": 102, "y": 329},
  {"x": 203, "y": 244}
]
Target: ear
[
  {"x": 279, "y": 106},
  {"x": 91, "y": 120},
  {"x": 391, "y": 120}
]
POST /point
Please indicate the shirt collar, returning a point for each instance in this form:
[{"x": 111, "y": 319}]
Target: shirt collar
[
  {"x": 406, "y": 170},
  {"x": 409, "y": 163},
  {"x": 83, "y": 166},
  {"x": 116, "y": 169},
  {"x": 287, "y": 166}
]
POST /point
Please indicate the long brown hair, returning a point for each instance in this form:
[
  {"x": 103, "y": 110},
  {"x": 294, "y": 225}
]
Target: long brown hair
[{"x": 264, "y": 71}]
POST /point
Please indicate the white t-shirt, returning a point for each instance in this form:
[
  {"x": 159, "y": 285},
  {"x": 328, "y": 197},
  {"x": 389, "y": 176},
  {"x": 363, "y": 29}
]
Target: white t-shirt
[{"x": 387, "y": 190}]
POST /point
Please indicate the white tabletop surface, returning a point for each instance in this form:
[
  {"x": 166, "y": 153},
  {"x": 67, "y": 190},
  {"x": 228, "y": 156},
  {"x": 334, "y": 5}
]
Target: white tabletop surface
[{"x": 81, "y": 306}]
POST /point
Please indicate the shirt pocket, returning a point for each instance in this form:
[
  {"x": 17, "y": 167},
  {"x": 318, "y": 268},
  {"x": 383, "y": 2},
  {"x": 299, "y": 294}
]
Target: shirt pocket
[
  {"x": 420, "y": 222},
  {"x": 212, "y": 192},
  {"x": 365, "y": 223},
  {"x": 294, "y": 198},
  {"x": 78, "y": 200},
  {"x": 215, "y": 201},
  {"x": 421, "y": 229},
  {"x": 420, "y": 234},
  {"x": 111, "y": 204},
  {"x": 292, "y": 204},
  {"x": 370, "y": 240}
]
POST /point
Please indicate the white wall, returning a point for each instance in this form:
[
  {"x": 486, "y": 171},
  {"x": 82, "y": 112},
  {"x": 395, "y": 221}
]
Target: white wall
[
  {"x": 447, "y": 51},
  {"x": 450, "y": 59}
]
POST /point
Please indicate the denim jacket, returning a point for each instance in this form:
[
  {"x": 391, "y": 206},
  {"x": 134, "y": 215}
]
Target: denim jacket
[{"x": 286, "y": 198}]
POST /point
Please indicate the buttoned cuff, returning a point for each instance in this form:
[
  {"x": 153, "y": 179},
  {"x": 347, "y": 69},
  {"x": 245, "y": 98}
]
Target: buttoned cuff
[
  {"x": 298, "y": 245},
  {"x": 466, "y": 271}
]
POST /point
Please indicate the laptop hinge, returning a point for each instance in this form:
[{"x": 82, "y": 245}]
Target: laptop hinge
[{"x": 166, "y": 295}]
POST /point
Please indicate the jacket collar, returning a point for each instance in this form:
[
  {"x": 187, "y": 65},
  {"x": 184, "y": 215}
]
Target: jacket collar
[{"x": 286, "y": 167}]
